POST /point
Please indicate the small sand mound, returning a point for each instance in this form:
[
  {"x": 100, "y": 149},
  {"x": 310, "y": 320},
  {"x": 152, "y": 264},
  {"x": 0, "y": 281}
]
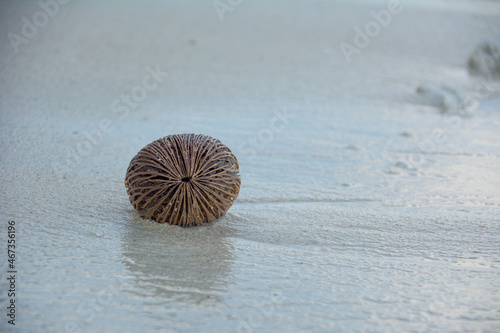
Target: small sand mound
[{"x": 485, "y": 59}]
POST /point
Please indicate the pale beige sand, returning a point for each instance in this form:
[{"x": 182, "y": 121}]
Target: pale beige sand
[{"x": 364, "y": 206}]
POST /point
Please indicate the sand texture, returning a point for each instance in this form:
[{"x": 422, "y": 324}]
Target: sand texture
[{"x": 370, "y": 185}]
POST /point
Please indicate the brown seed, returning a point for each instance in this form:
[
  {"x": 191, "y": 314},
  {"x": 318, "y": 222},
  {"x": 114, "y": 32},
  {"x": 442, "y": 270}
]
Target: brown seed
[{"x": 183, "y": 179}]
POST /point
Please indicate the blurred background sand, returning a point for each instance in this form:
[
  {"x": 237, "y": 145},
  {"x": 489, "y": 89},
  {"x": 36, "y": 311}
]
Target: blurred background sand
[{"x": 370, "y": 185}]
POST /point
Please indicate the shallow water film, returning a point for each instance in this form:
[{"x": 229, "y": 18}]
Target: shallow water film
[{"x": 367, "y": 139}]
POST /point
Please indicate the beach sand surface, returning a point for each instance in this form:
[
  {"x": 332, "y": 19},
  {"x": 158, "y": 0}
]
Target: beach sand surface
[{"x": 370, "y": 182}]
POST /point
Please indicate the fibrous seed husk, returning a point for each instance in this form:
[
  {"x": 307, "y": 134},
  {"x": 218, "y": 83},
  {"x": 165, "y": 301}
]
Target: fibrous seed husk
[{"x": 183, "y": 179}]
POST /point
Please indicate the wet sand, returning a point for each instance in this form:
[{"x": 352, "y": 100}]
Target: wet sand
[{"x": 370, "y": 184}]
